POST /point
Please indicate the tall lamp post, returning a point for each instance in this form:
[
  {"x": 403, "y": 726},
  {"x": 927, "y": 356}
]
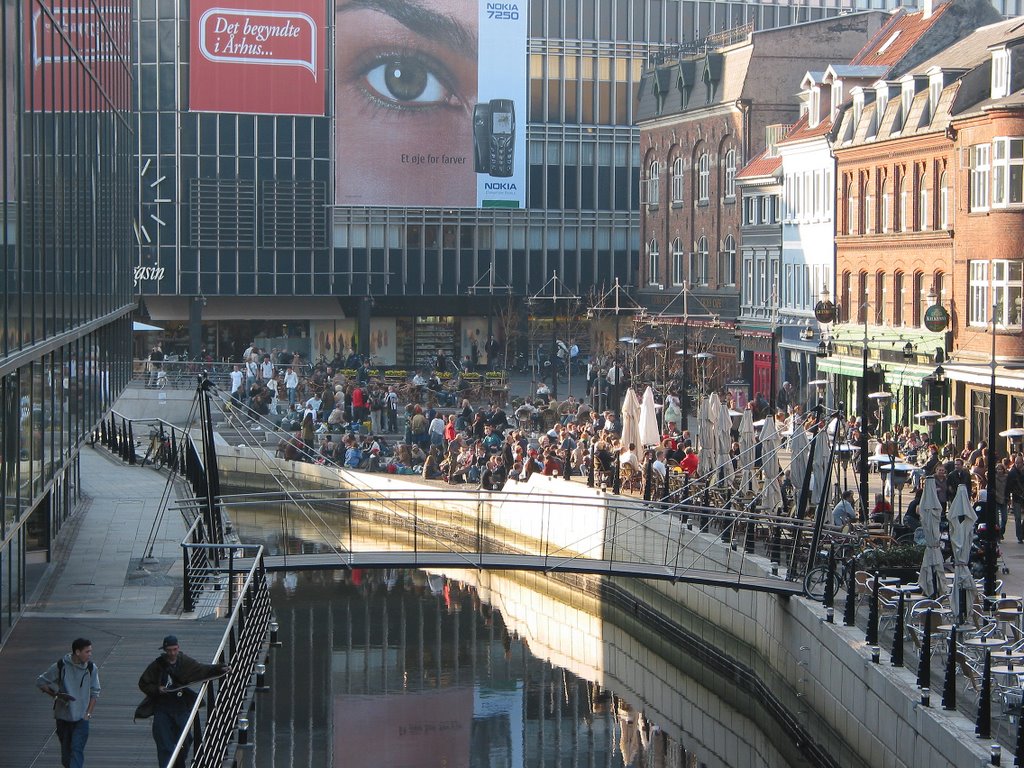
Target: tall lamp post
[
  {"x": 615, "y": 301},
  {"x": 554, "y": 297},
  {"x": 991, "y": 513}
]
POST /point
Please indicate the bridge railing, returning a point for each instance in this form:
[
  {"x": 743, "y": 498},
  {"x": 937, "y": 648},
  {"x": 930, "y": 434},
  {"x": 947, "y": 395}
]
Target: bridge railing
[
  {"x": 243, "y": 646},
  {"x": 563, "y": 530}
]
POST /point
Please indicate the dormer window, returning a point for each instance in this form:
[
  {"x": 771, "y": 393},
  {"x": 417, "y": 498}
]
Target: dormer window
[
  {"x": 881, "y": 102},
  {"x": 1000, "y": 73},
  {"x": 934, "y": 92},
  {"x": 837, "y": 96},
  {"x": 814, "y": 109},
  {"x": 906, "y": 101},
  {"x": 858, "y": 107}
]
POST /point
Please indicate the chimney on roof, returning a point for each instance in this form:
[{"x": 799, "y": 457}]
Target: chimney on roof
[{"x": 927, "y": 7}]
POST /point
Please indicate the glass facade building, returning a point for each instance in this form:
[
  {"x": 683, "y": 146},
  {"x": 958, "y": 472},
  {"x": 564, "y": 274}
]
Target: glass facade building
[
  {"x": 69, "y": 198},
  {"x": 242, "y": 236},
  {"x": 240, "y": 205}
]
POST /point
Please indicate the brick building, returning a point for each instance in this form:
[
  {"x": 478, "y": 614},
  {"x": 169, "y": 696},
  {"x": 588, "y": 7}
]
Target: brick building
[
  {"x": 702, "y": 115},
  {"x": 930, "y": 169}
]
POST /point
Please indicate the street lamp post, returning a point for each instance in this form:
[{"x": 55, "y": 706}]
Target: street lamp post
[
  {"x": 991, "y": 513},
  {"x": 616, "y": 308},
  {"x": 554, "y": 298}
]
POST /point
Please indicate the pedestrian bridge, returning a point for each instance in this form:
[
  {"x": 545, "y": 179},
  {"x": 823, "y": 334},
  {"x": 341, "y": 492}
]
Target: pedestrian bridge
[{"x": 544, "y": 525}]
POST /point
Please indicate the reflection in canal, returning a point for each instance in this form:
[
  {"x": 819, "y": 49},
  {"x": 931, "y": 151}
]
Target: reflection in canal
[{"x": 405, "y": 669}]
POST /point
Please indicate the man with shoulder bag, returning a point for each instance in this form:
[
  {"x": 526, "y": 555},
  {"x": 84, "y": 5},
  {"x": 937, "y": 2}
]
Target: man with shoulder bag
[
  {"x": 74, "y": 684},
  {"x": 165, "y": 683}
]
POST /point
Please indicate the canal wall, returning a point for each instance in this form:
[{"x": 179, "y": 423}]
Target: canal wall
[{"x": 814, "y": 677}]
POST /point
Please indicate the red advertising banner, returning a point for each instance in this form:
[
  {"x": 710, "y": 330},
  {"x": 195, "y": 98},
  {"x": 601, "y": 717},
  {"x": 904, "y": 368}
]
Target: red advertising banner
[
  {"x": 257, "y": 57},
  {"x": 404, "y": 730},
  {"x": 66, "y": 41}
]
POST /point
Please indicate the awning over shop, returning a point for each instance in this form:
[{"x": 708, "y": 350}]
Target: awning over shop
[
  {"x": 247, "y": 308},
  {"x": 900, "y": 376},
  {"x": 1006, "y": 378}
]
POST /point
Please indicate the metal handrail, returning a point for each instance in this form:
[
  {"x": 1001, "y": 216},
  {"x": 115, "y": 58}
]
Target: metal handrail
[{"x": 243, "y": 645}]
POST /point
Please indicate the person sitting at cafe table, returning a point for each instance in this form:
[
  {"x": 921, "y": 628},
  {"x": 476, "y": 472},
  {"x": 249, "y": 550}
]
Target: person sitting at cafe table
[
  {"x": 843, "y": 513},
  {"x": 882, "y": 511}
]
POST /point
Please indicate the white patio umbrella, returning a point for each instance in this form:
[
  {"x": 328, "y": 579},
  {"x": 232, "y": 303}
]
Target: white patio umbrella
[
  {"x": 630, "y": 418},
  {"x": 698, "y": 424},
  {"x": 820, "y": 454},
  {"x": 649, "y": 434},
  {"x": 723, "y": 431},
  {"x": 709, "y": 436},
  {"x": 771, "y": 495},
  {"x": 962, "y": 519},
  {"x": 932, "y": 579},
  {"x": 746, "y": 450},
  {"x": 799, "y": 451}
]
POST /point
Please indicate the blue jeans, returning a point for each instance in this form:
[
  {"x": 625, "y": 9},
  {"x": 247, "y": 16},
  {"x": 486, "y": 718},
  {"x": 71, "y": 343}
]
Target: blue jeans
[
  {"x": 72, "y": 735},
  {"x": 168, "y": 723}
]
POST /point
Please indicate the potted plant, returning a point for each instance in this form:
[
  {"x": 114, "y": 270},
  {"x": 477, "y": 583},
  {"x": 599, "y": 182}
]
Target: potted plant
[{"x": 902, "y": 561}]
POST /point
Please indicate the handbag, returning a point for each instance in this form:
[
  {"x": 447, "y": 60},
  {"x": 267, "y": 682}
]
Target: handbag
[{"x": 144, "y": 710}]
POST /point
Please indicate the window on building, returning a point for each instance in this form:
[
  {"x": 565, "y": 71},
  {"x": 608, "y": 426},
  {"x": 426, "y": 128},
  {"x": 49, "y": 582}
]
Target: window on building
[
  {"x": 866, "y": 211},
  {"x": 787, "y": 288},
  {"x": 905, "y": 210},
  {"x": 727, "y": 262},
  {"x": 730, "y": 174},
  {"x": 924, "y": 214},
  {"x": 980, "y": 170},
  {"x": 880, "y": 298},
  {"x": 845, "y": 298},
  {"x": 943, "y": 200},
  {"x": 654, "y": 184},
  {"x": 678, "y": 268},
  {"x": 1007, "y": 172},
  {"x": 934, "y": 92},
  {"x": 1000, "y": 73},
  {"x": 885, "y": 217},
  {"x": 851, "y": 208},
  {"x": 653, "y": 263},
  {"x": 862, "y": 298},
  {"x": 977, "y": 287},
  {"x": 897, "y": 299},
  {"x": 749, "y": 298},
  {"x": 751, "y": 214},
  {"x": 678, "y": 180},
  {"x": 828, "y": 195},
  {"x": 703, "y": 177},
  {"x": 919, "y": 298},
  {"x": 762, "y": 297},
  {"x": 906, "y": 102},
  {"x": 1006, "y": 292},
  {"x": 699, "y": 269}
]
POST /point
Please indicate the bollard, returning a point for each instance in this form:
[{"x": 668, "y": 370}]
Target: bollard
[
  {"x": 830, "y": 578},
  {"x": 926, "y": 697},
  {"x": 274, "y": 642},
  {"x": 871, "y": 638},
  {"x": 897, "y": 635},
  {"x": 876, "y": 654},
  {"x": 830, "y": 615},
  {"x": 243, "y": 731},
  {"x": 996, "y": 751},
  {"x": 924, "y": 668},
  {"x": 983, "y": 726},
  {"x": 261, "y": 678},
  {"x": 949, "y": 687},
  {"x": 850, "y": 611}
]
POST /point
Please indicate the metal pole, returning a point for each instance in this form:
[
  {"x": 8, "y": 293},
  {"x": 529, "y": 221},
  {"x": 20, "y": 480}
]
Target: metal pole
[
  {"x": 771, "y": 384},
  {"x": 991, "y": 517},
  {"x": 863, "y": 458}
]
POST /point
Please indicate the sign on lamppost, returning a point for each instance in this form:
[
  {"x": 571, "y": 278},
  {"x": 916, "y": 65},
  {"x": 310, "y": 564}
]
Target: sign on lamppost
[
  {"x": 936, "y": 318},
  {"x": 824, "y": 311}
]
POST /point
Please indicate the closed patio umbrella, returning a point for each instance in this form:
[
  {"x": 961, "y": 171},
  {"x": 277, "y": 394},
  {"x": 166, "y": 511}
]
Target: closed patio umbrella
[
  {"x": 649, "y": 434},
  {"x": 820, "y": 453},
  {"x": 709, "y": 436},
  {"x": 799, "y": 451},
  {"x": 771, "y": 494},
  {"x": 746, "y": 450},
  {"x": 724, "y": 433},
  {"x": 630, "y": 418},
  {"x": 962, "y": 520},
  {"x": 932, "y": 579}
]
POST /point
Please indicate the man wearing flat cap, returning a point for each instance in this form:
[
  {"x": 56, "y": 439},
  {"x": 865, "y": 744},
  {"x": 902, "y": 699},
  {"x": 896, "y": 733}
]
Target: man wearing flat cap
[{"x": 166, "y": 682}]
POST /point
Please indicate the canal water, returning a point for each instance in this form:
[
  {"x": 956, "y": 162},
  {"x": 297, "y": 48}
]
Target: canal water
[{"x": 407, "y": 669}]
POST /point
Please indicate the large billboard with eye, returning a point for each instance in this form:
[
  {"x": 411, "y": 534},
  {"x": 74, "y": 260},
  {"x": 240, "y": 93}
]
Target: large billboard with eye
[
  {"x": 257, "y": 57},
  {"x": 430, "y": 103}
]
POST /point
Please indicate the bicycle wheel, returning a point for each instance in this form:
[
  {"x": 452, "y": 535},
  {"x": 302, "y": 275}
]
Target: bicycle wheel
[{"x": 815, "y": 583}]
